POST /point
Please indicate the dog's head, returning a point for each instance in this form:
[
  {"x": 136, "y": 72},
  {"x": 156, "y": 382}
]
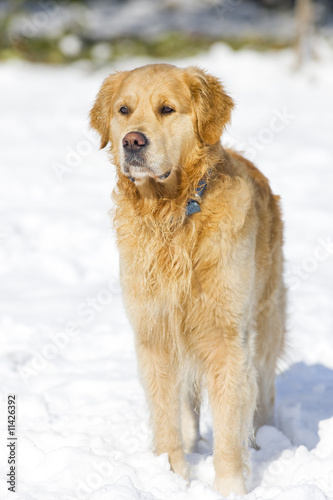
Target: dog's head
[{"x": 155, "y": 115}]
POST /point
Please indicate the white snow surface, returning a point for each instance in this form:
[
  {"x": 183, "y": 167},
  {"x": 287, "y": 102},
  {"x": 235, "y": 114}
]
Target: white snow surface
[{"x": 67, "y": 349}]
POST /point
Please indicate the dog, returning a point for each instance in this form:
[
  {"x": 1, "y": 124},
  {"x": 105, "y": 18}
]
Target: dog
[{"x": 200, "y": 243}]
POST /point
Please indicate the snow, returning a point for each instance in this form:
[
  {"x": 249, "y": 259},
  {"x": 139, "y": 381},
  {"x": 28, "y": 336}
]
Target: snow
[{"x": 67, "y": 349}]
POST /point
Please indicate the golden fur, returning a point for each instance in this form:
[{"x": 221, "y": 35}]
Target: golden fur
[{"x": 204, "y": 292}]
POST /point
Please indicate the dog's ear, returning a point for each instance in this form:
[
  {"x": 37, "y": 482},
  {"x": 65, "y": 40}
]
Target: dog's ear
[
  {"x": 213, "y": 106},
  {"x": 100, "y": 115}
]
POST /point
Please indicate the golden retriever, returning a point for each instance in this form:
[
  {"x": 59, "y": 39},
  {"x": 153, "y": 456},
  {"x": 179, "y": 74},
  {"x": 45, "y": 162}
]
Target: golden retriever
[{"x": 200, "y": 241}]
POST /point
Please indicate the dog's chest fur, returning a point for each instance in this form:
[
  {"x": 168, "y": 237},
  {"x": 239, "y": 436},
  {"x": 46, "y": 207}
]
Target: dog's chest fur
[
  {"x": 157, "y": 263},
  {"x": 165, "y": 263}
]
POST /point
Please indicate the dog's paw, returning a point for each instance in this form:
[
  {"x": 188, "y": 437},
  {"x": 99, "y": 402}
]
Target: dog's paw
[
  {"x": 225, "y": 486},
  {"x": 179, "y": 466}
]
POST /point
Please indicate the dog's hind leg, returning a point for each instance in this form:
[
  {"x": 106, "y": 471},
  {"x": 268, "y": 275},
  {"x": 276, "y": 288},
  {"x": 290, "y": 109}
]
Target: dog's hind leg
[
  {"x": 270, "y": 347},
  {"x": 190, "y": 417}
]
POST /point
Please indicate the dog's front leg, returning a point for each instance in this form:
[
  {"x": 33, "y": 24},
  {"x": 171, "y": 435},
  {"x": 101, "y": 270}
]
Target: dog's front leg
[
  {"x": 159, "y": 370},
  {"x": 232, "y": 391}
]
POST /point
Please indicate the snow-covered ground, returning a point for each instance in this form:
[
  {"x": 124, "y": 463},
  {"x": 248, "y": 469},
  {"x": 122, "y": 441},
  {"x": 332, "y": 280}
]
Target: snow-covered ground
[{"x": 66, "y": 345}]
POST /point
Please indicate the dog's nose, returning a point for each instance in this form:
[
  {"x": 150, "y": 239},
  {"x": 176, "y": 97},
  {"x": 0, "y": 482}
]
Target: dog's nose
[{"x": 134, "y": 141}]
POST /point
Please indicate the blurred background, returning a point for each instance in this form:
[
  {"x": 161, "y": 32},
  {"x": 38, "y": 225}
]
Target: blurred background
[{"x": 58, "y": 31}]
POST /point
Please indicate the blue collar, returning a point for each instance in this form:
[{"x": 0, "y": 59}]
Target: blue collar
[{"x": 193, "y": 206}]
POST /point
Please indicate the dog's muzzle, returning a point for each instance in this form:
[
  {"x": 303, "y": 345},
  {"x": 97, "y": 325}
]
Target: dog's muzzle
[{"x": 134, "y": 145}]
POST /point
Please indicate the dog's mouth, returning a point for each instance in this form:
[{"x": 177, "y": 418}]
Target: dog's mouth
[{"x": 137, "y": 168}]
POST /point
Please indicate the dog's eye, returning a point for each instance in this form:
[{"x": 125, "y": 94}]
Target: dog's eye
[
  {"x": 166, "y": 110},
  {"x": 123, "y": 110}
]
